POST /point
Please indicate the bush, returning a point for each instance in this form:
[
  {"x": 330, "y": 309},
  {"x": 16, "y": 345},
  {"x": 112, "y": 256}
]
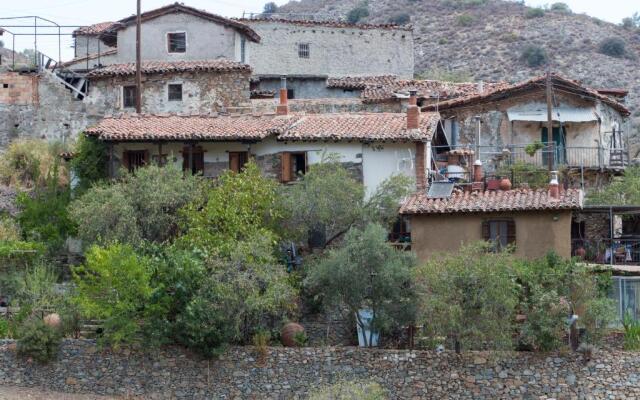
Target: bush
[
  {"x": 631, "y": 333},
  {"x": 561, "y": 7},
  {"x": 613, "y": 47},
  {"x": 400, "y": 18},
  {"x": 246, "y": 293},
  {"x": 28, "y": 162},
  {"x": 90, "y": 162},
  {"x": 4, "y": 328},
  {"x": 522, "y": 172},
  {"x": 113, "y": 285},
  {"x": 534, "y": 56},
  {"x": 270, "y": 8},
  {"x": 38, "y": 341},
  {"x": 465, "y": 19},
  {"x": 140, "y": 207},
  {"x": 35, "y": 288},
  {"x": 358, "y": 13},
  {"x": 9, "y": 230},
  {"x": 349, "y": 391},
  {"x": 367, "y": 273},
  {"x": 469, "y": 298},
  {"x": 534, "y": 13}
]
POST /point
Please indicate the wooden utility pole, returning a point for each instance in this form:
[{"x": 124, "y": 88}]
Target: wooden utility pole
[
  {"x": 138, "y": 63},
  {"x": 551, "y": 156}
]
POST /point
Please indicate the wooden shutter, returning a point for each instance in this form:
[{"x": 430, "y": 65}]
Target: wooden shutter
[
  {"x": 511, "y": 232},
  {"x": 234, "y": 161},
  {"x": 486, "y": 231},
  {"x": 185, "y": 158},
  {"x": 285, "y": 161},
  {"x": 125, "y": 159}
]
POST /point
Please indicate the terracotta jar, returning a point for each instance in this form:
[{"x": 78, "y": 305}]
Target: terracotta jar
[
  {"x": 288, "y": 333},
  {"x": 581, "y": 252},
  {"x": 505, "y": 184}
]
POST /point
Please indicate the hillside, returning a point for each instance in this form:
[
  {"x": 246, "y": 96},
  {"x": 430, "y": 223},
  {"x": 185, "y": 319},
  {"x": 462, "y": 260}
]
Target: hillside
[{"x": 484, "y": 39}]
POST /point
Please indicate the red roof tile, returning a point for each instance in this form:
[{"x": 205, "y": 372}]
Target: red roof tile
[
  {"x": 360, "y": 82},
  {"x": 89, "y": 57},
  {"x": 429, "y": 89},
  {"x": 493, "y": 201},
  {"x": 292, "y": 127},
  {"x": 360, "y": 126},
  {"x": 93, "y": 30},
  {"x": 329, "y": 24},
  {"x": 159, "y": 67},
  {"x": 558, "y": 82}
]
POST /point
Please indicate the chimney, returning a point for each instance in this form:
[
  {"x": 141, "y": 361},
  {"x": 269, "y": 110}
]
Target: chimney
[
  {"x": 478, "y": 178},
  {"x": 413, "y": 111},
  {"x": 421, "y": 157},
  {"x": 283, "y": 107},
  {"x": 554, "y": 186}
]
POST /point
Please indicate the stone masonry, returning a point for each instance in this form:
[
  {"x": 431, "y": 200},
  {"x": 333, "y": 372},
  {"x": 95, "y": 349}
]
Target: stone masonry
[{"x": 288, "y": 373}]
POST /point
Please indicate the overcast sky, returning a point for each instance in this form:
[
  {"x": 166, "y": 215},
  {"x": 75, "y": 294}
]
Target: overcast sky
[{"x": 85, "y": 12}]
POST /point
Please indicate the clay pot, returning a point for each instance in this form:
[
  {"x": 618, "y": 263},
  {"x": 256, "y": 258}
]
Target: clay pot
[
  {"x": 52, "y": 320},
  {"x": 581, "y": 252},
  {"x": 288, "y": 333},
  {"x": 505, "y": 184}
]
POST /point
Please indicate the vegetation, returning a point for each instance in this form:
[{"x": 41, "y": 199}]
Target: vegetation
[
  {"x": 622, "y": 191},
  {"x": 90, "y": 162},
  {"x": 534, "y": 13},
  {"x": 631, "y": 333},
  {"x": 632, "y": 22},
  {"x": 270, "y": 8},
  {"x": 521, "y": 172},
  {"x": 28, "y": 163},
  {"x": 445, "y": 75},
  {"x": 358, "y": 13},
  {"x": 613, "y": 47},
  {"x": 534, "y": 56},
  {"x": 465, "y": 19},
  {"x": 38, "y": 341},
  {"x": 561, "y": 8},
  {"x": 469, "y": 298},
  {"x": 349, "y": 391},
  {"x": 367, "y": 273},
  {"x": 400, "y": 18}
]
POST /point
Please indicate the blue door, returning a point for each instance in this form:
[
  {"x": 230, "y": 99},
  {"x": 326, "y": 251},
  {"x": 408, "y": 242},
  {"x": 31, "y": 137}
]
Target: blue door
[{"x": 559, "y": 146}]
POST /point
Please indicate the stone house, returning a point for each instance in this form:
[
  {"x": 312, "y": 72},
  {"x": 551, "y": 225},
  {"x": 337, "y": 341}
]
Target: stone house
[
  {"x": 589, "y": 128},
  {"x": 535, "y": 221},
  {"x": 87, "y": 44},
  {"x": 176, "y": 86},
  {"x": 372, "y": 145}
]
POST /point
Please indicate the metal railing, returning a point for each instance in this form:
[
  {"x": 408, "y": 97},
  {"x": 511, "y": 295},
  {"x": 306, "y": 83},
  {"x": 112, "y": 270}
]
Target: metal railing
[{"x": 607, "y": 251}]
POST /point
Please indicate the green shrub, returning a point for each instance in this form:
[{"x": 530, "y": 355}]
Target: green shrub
[
  {"x": 90, "y": 162},
  {"x": 38, "y": 341},
  {"x": 465, "y": 19},
  {"x": 400, "y": 18},
  {"x": 358, "y": 13},
  {"x": 469, "y": 298},
  {"x": 28, "y": 162},
  {"x": 113, "y": 285},
  {"x": 613, "y": 47},
  {"x": 631, "y": 333},
  {"x": 534, "y": 56},
  {"x": 36, "y": 287},
  {"x": 522, "y": 172},
  {"x": 270, "y": 8},
  {"x": 9, "y": 230},
  {"x": 561, "y": 8},
  {"x": 4, "y": 328},
  {"x": 349, "y": 391},
  {"x": 534, "y": 13}
]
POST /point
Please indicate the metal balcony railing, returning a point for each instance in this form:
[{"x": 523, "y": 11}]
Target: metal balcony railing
[{"x": 607, "y": 251}]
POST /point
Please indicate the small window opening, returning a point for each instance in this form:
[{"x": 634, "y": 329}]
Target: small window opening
[
  {"x": 177, "y": 42},
  {"x": 304, "y": 50},
  {"x": 5, "y": 86},
  {"x": 129, "y": 96},
  {"x": 175, "y": 92},
  {"x": 290, "y": 94}
]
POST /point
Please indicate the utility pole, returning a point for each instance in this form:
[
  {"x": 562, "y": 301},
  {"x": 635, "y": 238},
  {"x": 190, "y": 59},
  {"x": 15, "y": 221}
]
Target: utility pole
[
  {"x": 138, "y": 62},
  {"x": 551, "y": 156}
]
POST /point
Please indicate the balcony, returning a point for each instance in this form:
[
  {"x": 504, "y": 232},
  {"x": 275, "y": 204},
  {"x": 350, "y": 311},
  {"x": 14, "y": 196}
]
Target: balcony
[{"x": 614, "y": 252}]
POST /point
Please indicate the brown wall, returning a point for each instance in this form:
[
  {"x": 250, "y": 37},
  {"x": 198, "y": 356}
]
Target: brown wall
[
  {"x": 536, "y": 232},
  {"x": 20, "y": 89}
]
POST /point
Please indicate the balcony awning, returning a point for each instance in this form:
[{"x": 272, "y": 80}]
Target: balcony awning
[{"x": 563, "y": 114}]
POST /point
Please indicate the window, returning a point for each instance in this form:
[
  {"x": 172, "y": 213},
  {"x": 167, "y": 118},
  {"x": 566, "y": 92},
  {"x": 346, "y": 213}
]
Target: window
[
  {"x": 198, "y": 159},
  {"x": 501, "y": 233},
  {"x": 290, "y": 94},
  {"x": 177, "y": 42},
  {"x": 625, "y": 291},
  {"x": 303, "y": 50},
  {"x": 293, "y": 165},
  {"x": 175, "y": 92},
  {"x": 129, "y": 96},
  {"x": 5, "y": 86},
  {"x": 400, "y": 234},
  {"x": 243, "y": 50},
  {"x": 134, "y": 159},
  {"x": 237, "y": 160}
]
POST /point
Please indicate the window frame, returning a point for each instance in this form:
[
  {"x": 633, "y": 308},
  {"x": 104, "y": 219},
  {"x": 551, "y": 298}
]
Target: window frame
[
  {"x": 168, "y": 40},
  {"x": 304, "y": 50},
  {"x": 511, "y": 236},
  {"x": 141, "y": 155},
  {"x": 198, "y": 160},
  {"x": 169, "y": 85},
  {"x": 287, "y": 161},
  {"x": 122, "y": 92}
]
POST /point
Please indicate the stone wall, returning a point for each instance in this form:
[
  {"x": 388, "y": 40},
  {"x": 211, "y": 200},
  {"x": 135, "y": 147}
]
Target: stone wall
[{"x": 290, "y": 373}]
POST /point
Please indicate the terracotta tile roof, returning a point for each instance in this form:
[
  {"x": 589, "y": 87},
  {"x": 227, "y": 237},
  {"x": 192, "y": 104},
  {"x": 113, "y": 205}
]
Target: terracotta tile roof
[
  {"x": 329, "y": 24},
  {"x": 159, "y": 67},
  {"x": 89, "y": 57},
  {"x": 427, "y": 89},
  {"x": 93, "y": 30},
  {"x": 360, "y": 82},
  {"x": 192, "y": 127},
  {"x": 559, "y": 83},
  {"x": 493, "y": 201},
  {"x": 293, "y": 127},
  {"x": 109, "y": 38},
  {"x": 360, "y": 126}
]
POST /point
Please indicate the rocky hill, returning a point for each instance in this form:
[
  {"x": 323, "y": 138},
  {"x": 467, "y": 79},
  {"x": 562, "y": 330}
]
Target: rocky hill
[{"x": 485, "y": 40}]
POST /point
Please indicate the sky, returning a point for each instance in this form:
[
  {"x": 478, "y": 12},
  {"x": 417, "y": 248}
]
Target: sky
[{"x": 85, "y": 12}]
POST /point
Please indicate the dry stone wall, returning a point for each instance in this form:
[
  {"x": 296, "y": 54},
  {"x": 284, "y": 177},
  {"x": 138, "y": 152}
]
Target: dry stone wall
[{"x": 290, "y": 373}]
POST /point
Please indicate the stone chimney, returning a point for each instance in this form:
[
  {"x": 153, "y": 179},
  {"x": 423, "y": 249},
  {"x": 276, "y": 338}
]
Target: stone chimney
[
  {"x": 283, "y": 107},
  {"x": 421, "y": 174},
  {"x": 413, "y": 111},
  {"x": 478, "y": 178},
  {"x": 554, "y": 186}
]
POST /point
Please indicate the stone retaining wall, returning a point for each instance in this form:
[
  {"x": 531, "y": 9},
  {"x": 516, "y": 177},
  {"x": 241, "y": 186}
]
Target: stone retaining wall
[{"x": 290, "y": 373}]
